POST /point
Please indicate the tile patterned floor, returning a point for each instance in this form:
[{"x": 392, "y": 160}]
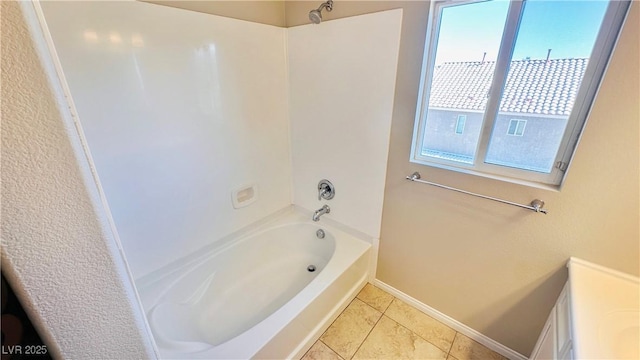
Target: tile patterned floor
[{"x": 376, "y": 325}]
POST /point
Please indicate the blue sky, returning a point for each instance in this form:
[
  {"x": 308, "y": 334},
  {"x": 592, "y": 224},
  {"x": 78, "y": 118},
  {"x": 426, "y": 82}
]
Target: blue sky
[{"x": 568, "y": 27}]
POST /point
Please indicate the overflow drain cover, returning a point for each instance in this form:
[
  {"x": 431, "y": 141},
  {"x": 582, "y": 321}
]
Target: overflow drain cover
[{"x": 311, "y": 268}]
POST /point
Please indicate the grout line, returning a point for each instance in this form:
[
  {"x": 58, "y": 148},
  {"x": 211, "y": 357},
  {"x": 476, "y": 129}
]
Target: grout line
[
  {"x": 365, "y": 338},
  {"x": 337, "y": 317},
  {"x": 384, "y": 291},
  {"x": 388, "y": 306},
  {"x": 382, "y": 313},
  {"x": 333, "y": 351},
  {"x": 333, "y": 322},
  {"x": 418, "y": 335},
  {"x": 453, "y": 342},
  {"x": 374, "y": 325},
  {"x": 369, "y": 333}
]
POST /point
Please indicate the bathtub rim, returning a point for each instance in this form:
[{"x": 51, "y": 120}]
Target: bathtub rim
[
  {"x": 152, "y": 292},
  {"x": 232, "y": 238}
]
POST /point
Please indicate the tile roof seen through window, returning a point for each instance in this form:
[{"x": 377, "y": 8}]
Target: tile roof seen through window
[{"x": 546, "y": 87}]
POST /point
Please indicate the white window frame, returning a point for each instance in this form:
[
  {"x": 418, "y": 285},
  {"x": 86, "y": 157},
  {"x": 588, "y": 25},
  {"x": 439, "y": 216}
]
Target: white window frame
[
  {"x": 461, "y": 118},
  {"x": 603, "y": 47},
  {"x": 515, "y": 131}
]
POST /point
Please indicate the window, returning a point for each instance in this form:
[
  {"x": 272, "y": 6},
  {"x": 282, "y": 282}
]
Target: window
[
  {"x": 460, "y": 124},
  {"x": 511, "y": 65},
  {"x": 516, "y": 127}
]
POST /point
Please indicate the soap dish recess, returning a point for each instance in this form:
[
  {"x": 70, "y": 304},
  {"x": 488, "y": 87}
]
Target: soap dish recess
[{"x": 244, "y": 195}]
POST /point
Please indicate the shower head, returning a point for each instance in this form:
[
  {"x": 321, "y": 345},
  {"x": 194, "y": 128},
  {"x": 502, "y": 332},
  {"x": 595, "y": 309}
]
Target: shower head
[{"x": 316, "y": 15}]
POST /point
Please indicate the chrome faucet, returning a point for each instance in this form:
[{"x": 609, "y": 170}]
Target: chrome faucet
[{"x": 323, "y": 210}]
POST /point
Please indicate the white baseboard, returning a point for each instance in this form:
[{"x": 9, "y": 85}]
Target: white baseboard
[{"x": 452, "y": 323}]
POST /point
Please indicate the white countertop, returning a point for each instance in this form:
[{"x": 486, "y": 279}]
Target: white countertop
[{"x": 605, "y": 320}]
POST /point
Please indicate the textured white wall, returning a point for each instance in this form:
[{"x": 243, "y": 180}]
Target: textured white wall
[
  {"x": 342, "y": 80},
  {"x": 175, "y": 120},
  {"x": 57, "y": 250}
]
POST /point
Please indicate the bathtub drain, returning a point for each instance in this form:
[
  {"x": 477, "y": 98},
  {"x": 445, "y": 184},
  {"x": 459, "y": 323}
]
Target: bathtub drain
[{"x": 311, "y": 268}]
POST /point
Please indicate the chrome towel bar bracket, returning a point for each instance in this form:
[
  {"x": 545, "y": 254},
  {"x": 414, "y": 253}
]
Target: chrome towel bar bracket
[{"x": 536, "y": 205}]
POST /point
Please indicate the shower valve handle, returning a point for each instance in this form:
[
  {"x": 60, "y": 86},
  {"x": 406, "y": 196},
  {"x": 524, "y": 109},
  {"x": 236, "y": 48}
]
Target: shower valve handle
[
  {"x": 322, "y": 193},
  {"x": 326, "y": 190}
]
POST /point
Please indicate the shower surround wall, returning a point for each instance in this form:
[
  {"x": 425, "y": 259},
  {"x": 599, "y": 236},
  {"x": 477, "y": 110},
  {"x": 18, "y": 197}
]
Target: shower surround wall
[
  {"x": 176, "y": 120},
  {"x": 342, "y": 82}
]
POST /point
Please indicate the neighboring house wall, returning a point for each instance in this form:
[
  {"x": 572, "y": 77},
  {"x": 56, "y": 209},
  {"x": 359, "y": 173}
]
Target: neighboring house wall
[
  {"x": 541, "y": 136},
  {"x": 441, "y": 136}
]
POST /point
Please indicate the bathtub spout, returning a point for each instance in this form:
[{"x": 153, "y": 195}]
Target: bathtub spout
[{"x": 323, "y": 210}]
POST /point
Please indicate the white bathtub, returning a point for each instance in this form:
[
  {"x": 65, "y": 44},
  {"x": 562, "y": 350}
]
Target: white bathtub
[{"x": 252, "y": 296}]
